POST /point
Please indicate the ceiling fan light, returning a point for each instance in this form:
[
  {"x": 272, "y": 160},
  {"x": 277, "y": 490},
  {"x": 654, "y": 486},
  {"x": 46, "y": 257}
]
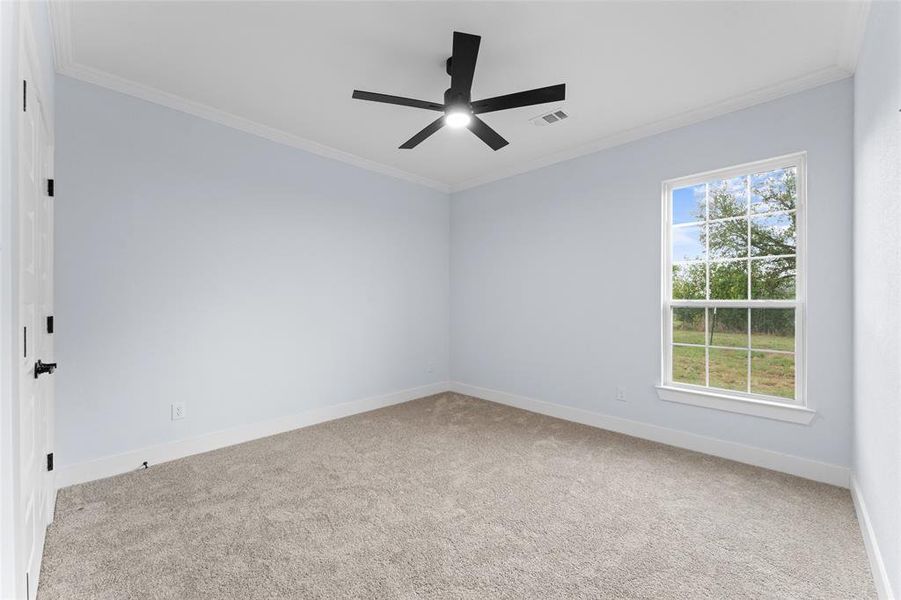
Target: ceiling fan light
[{"x": 457, "y": 119}]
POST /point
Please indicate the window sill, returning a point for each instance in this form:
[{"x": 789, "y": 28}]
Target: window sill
[{"x": 737, "y": 404}]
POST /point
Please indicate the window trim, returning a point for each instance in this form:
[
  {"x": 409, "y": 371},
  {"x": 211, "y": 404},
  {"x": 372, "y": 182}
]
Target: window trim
[{"x": 797, "y": 410}]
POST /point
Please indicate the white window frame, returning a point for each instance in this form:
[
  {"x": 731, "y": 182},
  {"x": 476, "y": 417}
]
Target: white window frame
[{"x": 783, "y": 409}]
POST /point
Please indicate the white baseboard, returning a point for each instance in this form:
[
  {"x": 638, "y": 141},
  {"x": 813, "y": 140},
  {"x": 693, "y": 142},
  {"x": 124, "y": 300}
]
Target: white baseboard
[
  {"x": 768, "y": 459},
  {"x": 877, "y": 566},
  {"x": 130, "y": 461}
]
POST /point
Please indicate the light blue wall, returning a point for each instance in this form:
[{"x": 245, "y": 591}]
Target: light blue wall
[
  {"x": 877, "y": 281},
  {"x": 181, "y": 244},
  {"x": 556, "y": 274},
  {"x": 250, "y": 280}
]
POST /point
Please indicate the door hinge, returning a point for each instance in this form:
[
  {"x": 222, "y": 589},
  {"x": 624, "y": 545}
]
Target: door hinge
[
  {"x": 24, "y": 95},
  {"x": 50, "y": 187},
  {"x": 25, "y": 342},
  {"x": 50, "y": 324},
  {"x": 50, "y": 461}
]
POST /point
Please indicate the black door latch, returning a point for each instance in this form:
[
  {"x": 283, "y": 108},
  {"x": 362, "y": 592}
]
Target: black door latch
[{"x": 40, "y": 367}]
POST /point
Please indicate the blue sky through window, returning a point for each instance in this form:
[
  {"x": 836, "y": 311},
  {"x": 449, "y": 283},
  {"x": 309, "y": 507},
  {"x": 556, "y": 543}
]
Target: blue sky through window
[
  {"x": 688, "y": 204},
  {"x": 687, "y": 244}
]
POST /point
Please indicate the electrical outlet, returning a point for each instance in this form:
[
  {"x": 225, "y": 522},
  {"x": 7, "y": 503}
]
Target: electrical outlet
[
  {"x": 178, "y": 410},
  {"x": 621, "y": 394}
]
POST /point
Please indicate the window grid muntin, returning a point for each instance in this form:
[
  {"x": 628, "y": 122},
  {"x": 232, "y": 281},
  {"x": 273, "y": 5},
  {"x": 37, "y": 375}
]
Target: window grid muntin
[
  {"x": 749, "y": 350},
  {"x": 718, "y": 347},
  {"x": 787, "y": 211},
  {"x": 748, "y": 215},
  {"x": 795, "y": 162},
  {"x": 734, "y": 259}
]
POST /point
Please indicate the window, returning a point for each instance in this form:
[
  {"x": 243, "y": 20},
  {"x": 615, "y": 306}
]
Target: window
[{"x": 733, "y": 299}]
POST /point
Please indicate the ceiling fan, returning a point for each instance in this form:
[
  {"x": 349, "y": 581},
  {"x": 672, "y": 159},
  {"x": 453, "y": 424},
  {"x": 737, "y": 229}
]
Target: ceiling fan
[{"x": 458, "y": 108}]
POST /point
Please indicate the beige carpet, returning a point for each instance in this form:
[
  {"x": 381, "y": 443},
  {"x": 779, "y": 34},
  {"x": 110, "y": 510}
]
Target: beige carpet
[{"x": 453, "y": 497}]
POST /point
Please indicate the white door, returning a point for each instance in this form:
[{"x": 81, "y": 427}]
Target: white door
[{"x": 35, "y": 262}]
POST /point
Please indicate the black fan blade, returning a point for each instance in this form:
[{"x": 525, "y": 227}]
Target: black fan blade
[
  {"x": 419, "y": 137},
  {"x": 372, "y": 96},
  {"x": 552, "y": 93},
  {"x": 463, "y": 61},
  {"x": 486, "y": 133}
]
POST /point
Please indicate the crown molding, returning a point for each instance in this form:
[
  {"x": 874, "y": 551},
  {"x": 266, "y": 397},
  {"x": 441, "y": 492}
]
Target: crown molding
[
  {"x": 61, "y": 32},
  {"x": 858, "y": 11},
  {"x": 846, "y": 61},
  {"x": 61, "y": 28},
  {"x": 747, "y": 100},
  {"x": 197, "y": 109}
]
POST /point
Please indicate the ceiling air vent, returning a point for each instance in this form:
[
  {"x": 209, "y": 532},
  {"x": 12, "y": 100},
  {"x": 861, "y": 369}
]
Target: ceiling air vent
[{"x": 555, "y": 116}]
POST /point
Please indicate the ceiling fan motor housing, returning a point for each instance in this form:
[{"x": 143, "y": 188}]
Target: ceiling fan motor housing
[{"x": 457, "y": 100}]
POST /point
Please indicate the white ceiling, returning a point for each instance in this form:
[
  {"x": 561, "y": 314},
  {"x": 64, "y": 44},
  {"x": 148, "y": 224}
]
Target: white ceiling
[{"x": 286, "y": 70}]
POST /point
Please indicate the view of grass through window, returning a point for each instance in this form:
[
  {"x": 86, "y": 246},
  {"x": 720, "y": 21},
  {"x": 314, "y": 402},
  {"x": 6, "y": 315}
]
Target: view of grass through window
[{"x": 734, "y": 251}]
